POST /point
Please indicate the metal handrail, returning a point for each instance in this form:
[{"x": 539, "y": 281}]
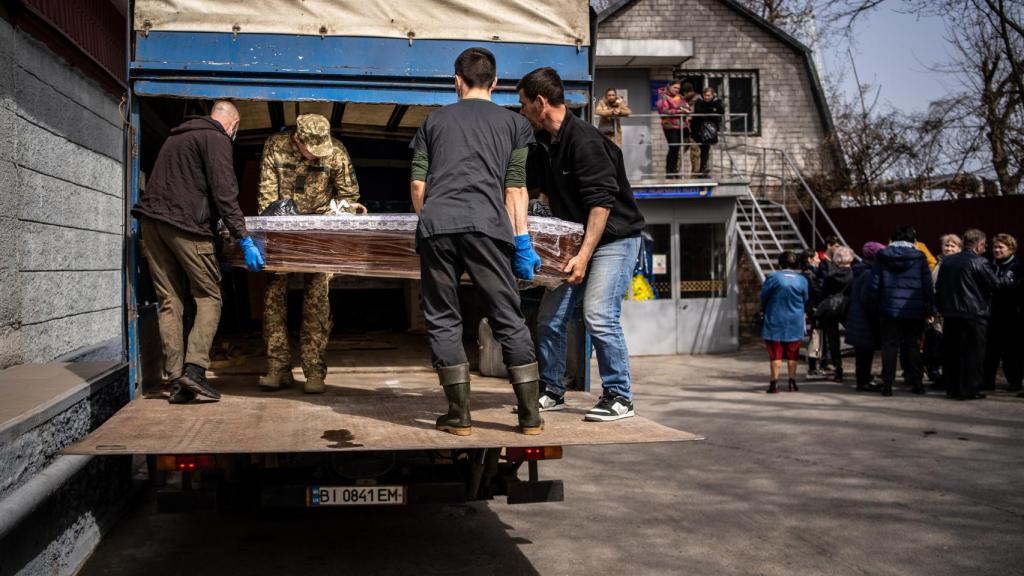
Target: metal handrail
[
  {"x": 786, "y": 163},
  {"x": 724, "y": 134}
]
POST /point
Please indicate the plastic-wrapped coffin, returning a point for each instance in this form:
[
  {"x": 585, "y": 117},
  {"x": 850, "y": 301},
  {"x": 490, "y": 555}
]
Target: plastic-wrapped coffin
[{"x": 382, "y": 245}]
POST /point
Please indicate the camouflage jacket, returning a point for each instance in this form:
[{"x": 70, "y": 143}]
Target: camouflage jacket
[{"x": 284, "y": 173}]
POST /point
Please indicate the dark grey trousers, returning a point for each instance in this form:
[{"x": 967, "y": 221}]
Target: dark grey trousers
[{"x": 443, "y": 259}]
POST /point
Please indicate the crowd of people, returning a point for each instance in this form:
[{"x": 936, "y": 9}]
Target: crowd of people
[{"x": 953, "y": 320}]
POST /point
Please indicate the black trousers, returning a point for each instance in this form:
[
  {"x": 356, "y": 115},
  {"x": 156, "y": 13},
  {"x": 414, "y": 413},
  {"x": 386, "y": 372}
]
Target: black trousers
[
  {"x": 830, "y": 334},
  {"x": 705, "y": 156},
  {"x": 932, "y": 358},
  {"x": 675, "y": 138},
  {"x": 443, "y": 260},
  {"x": 902, "y": 337},
  {"x": 865, "y": 357},
  {"x": 1004, "y": 345},
  {"x": 963, "y": 351}
]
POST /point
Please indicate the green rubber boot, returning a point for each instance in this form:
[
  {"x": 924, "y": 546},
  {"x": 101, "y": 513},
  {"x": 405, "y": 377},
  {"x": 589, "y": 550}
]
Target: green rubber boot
[
  {"x": 525, "y": 381},
  {"x": 455, "y": 381}
]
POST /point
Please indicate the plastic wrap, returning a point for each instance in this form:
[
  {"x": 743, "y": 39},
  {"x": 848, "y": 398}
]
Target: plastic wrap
[{"x": 381, "y": 245}]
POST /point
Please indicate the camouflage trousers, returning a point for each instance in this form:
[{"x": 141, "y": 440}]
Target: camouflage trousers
[{"x": 316, "y": 323}]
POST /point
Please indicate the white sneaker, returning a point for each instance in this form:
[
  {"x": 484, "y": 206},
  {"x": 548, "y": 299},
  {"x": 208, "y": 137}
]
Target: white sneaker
[
  {"x": 610, "y": 409},
  {"x": 550, "y": 402}
]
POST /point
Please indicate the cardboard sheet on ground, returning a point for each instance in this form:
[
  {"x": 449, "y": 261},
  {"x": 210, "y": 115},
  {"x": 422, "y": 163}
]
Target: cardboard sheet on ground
[
  {"x": 359, "y": 412},
  {"x": 381, "y": 245}
]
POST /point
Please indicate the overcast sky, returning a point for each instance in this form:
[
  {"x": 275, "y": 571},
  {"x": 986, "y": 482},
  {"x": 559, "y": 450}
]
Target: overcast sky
[{"x": 895, "y": 51}]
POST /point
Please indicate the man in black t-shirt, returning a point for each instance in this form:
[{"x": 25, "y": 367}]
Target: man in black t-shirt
[{"x": 469, "y": 189}]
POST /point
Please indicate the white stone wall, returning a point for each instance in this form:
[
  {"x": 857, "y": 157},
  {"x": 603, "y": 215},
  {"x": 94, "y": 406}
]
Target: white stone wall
[
  {"x": 726, "y": 40},
  {"x": 61, "y": 205}
]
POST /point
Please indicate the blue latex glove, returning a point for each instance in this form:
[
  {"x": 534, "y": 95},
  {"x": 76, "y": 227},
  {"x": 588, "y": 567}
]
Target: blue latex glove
[
  {"x": 253, "y": 258},
  {"x": 525, "y": 261}
]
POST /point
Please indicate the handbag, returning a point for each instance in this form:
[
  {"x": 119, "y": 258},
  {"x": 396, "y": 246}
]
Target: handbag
[
  {"x": 709, "y": 133},
  {"x": 833, "y": 307},
  {"x": 814, "y": 345}
]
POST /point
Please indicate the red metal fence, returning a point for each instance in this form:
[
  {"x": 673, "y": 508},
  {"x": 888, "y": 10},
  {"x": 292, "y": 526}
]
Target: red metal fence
[{"x": 931, "y": 219}]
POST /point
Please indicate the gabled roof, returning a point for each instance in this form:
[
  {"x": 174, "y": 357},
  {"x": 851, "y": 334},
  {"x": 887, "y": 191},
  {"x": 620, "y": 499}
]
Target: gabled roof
[{"x": 780, "y": 34}]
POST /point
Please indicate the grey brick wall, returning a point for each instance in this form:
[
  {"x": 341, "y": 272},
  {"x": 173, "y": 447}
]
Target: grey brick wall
[
  {"x": 726, "y": 40},
  {"x": 61, "y": 207}
]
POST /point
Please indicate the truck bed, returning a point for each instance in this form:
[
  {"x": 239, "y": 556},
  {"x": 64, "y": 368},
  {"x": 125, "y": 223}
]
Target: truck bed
[
  {"x": 379, "y": 397},
  {"x": 359, "y": 411}
]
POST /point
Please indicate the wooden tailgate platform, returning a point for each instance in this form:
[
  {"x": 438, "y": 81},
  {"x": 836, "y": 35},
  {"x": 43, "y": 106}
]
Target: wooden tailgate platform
[{"x": 361, "y": 411}]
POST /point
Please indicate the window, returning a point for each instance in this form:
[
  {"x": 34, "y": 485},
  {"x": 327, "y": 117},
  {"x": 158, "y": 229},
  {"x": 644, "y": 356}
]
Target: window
[
  {"x": 738, "y": 92},
  {"x": 702, "y": 261}
]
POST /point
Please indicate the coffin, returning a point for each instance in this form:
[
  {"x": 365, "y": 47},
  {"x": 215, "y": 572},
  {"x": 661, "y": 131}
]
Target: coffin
[{"x": 380, "y": 245}]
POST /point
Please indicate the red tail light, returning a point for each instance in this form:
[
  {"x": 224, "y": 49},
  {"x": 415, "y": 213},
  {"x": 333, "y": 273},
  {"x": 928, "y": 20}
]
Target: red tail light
[
  {"x": 185, "y": 463},
  {"x": 539, "y": 453}
]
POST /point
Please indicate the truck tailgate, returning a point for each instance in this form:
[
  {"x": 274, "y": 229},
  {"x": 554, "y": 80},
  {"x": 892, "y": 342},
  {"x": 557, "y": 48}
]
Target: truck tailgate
[{"x": 361, "y": 411}]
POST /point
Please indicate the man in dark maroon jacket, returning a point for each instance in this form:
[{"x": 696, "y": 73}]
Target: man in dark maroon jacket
[{"x": 191, "y": 186}]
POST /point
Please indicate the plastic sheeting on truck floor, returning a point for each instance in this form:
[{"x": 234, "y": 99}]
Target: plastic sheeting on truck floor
[{"x": 359, "y": 412}]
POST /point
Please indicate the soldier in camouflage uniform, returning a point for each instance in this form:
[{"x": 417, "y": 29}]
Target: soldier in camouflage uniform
[{"x": 312, "y": 168}]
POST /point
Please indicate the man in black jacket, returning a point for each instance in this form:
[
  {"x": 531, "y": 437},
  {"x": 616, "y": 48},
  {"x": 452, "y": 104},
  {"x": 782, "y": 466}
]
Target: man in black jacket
[
  {"x": 191, "y": 186},
  {"x": 965, "y": 285},
  {"x": 584, "y": 178}
]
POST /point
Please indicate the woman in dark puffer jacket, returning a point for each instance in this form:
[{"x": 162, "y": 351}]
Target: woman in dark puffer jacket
[{"x": 862, "y": 317}]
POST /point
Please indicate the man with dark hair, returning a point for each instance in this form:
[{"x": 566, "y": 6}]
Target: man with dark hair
[
  {"x": 584, "y": 178},
  {"x": 469, "y": 189},
  {"x": 476, "y": 67},
  {"x": 901, "y": 284},
  {"x": 965, "y": 285},
  {"x": 191, "y": 186}
]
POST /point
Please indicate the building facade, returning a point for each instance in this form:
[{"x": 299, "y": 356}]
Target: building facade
[
  {"x": 774, "y": 107},
  {"x": 62, "y": 78}
]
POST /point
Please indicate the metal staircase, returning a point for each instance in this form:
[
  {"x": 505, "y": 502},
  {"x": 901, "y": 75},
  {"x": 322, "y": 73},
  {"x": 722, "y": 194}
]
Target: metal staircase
[
  {"x": 766, "y": 230},
  {"x": 765, "y": 225}
]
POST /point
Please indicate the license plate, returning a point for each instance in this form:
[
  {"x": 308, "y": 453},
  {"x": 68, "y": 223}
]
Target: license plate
[{"x": 355, "y": 495}]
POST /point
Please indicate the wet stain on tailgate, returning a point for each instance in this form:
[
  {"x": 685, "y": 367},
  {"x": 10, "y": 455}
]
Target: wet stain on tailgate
[{"x": 342, "y": 439}]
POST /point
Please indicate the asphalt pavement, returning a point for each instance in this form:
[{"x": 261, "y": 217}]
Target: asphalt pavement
[{"x": 821, "y": 481}]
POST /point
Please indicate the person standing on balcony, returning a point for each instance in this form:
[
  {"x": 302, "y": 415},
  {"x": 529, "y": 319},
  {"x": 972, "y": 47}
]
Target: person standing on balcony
[
  {"x": 612, "y": 109},
  {"x": 672, "y": 106},
  {"x": 691, "y": 145},
  {"x": 585, "y": 180},
  {"x": 706, "y": 123}
]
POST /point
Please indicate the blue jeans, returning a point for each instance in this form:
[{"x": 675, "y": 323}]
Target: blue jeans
[{"x": 608, "y": 276}]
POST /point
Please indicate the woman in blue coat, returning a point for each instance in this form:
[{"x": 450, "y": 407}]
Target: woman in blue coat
[{"x": 783, "y": 299}]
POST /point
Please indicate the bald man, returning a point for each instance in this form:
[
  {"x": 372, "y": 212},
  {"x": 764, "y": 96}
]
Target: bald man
[{"x": 191, "y": 186}]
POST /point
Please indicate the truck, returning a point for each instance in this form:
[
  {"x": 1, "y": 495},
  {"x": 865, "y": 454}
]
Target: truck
[{"x": 376, "y": 69}]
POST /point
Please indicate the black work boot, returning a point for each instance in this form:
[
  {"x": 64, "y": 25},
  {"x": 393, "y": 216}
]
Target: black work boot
[
  {"x": 455, "y": 381},
  {"x": 195, "y": 380},
  {"x": 525, "y": 381},
  {"x": 180, "y": 394}
]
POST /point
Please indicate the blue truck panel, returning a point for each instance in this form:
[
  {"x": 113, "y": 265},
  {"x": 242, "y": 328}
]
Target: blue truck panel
[{"x": 368, "y": 58}]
